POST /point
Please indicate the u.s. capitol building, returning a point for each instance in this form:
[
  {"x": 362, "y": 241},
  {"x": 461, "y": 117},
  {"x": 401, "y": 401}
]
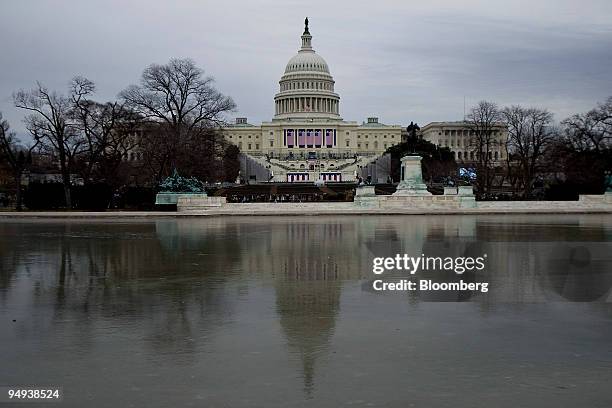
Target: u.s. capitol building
[{"x": 307, "y": 139}]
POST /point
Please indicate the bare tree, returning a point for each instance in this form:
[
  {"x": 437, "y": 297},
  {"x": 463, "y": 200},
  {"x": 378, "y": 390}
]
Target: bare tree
[
  {"x": 16, "y": 155},
  {"x": 184, "y": 105},
  {"x": 484, "y": 120},
  {"x": 530, "y": 132},
  {"x": 591, "y": 130},
  {"x": 107, "y": 130},
  {"x": 53, "y": 126}
]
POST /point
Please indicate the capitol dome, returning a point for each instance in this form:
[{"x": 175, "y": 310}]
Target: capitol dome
[
  {"x": 306, "y": 87},
  {"x": 306, "y": 61}
]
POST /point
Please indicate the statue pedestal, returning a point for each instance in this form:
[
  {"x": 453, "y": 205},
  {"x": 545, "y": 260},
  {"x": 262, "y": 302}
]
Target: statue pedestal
[
  {"x": 411, "y": 183},
  {"x": 466, "y": 191},
  {"x": 166, "y": 198},
  {"x": 365, "y": 191},
  {"x": 365, "y": 196}
]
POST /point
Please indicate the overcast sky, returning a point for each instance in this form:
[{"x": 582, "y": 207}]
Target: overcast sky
[{"x": 399, "y": 60}]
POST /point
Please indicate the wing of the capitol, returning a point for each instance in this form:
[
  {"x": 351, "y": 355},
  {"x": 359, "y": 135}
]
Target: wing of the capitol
[{"x": 307, "y": 139}]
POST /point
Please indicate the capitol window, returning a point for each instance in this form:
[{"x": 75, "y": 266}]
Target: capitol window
[
  {"x": 271, "y": 143},
  {"x": 249, "y": 146}
]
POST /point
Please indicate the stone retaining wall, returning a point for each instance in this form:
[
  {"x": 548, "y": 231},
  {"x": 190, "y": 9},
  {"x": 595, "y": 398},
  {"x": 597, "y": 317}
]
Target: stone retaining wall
[{"x": 395, "y": 204}]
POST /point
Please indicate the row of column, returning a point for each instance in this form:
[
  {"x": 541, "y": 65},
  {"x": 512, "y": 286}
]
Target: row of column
[{"x": 306, "y": 104}]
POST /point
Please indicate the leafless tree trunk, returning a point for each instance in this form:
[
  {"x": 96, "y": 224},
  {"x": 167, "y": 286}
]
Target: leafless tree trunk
[
  {"x": 52, "y": 126},
  {"x": 484, "y": 119},
  {"x": 17, "y": 157},
  {"x": 107, "y": 129},
  {"x": 529, "y": 135}
]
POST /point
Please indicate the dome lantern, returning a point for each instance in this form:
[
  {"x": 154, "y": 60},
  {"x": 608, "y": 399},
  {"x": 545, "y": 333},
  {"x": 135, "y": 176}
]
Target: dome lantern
[{"x": 306, "y": 37}]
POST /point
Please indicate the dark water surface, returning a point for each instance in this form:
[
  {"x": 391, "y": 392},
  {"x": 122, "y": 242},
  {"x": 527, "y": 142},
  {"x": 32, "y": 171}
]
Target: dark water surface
[{"x": 280, "y": 312}]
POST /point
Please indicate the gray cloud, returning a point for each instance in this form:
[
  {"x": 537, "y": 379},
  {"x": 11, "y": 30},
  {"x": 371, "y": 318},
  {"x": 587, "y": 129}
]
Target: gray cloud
[{"x": 401, "y": 61}]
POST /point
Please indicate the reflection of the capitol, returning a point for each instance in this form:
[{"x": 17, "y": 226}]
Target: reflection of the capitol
[
  {"x": 528, "y": 259},
  {"x": 174, "y": 284},
  {"x": 309, "y": 259}
]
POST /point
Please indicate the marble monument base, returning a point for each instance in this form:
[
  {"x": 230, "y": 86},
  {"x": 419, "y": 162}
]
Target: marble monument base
[
  {"x": 411, "y": 183},
  {"x": 167, "y": 198},
  {"x": 411, "y": 189}
]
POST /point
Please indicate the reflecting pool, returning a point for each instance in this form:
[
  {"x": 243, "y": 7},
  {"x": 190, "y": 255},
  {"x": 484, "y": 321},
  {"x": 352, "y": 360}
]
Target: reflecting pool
[{"x": 281, "y": 312}]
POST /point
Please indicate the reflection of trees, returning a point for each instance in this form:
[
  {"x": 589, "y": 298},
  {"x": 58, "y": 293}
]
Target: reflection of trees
[
  {"x": 8, "y": 257},
  {"x": 450, "y": 237},
  {"x": 96, "y": 273},
  {"x": 529, "y": 258},
  {"x": 545, "y": 257}
]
